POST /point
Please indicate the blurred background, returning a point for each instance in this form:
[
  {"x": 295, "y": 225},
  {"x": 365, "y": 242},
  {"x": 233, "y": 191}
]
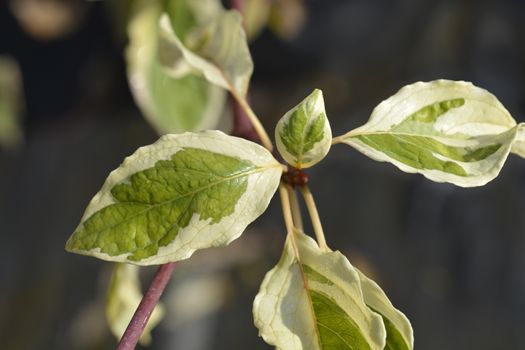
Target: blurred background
[{"x": 450, "y": 258}]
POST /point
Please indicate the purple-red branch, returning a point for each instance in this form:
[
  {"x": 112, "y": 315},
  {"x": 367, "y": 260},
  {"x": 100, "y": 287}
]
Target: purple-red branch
[
  {"x": 140, "y": 318},
  {"x": 237, "y": 5},
  {"x": 242, "y": 127}
]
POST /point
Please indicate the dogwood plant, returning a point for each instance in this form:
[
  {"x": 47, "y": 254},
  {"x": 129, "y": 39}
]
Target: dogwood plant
[{"x": 196, "y": 190}]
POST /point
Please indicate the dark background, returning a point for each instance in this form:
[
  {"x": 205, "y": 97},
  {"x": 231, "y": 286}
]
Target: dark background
[{"x": 450, "y": 258}]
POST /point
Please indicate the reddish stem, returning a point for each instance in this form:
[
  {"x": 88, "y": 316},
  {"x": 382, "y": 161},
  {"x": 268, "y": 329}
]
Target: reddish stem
[
  {"x": 242, "y": 127},
  {"x": 237, "y": 5},
  {"x": 140, "y": 318}
]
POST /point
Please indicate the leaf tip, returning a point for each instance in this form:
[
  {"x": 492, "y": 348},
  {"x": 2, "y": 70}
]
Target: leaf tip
[{"x": 69, "y": 246}]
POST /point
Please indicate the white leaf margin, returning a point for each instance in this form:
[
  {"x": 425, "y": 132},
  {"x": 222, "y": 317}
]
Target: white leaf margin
[
  {"x": 199, "y": 234},
  {"x": 140, "y": 53},
  {"x": 483, "y": 118},
  {"x": 467, "y": 120},
  {"x": 281, "y": 280},
  {"x": 480, "y": 172},
  {"x": 376, "y": 298},
  {"x": 226, "y": 72}
]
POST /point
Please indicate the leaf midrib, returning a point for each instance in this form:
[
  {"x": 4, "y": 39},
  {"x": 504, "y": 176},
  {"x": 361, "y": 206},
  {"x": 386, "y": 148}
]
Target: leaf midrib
[
  {"x": 300, "y": 156},
  {"x": 308, "y": 292},
  {"x": 432, "y": 151},
  {"x": 387, "y": 132},
  {"x": 295, "y": 249},
  {"x": 336, "y": 334},
  {"x": 151, "y": 207},
  {"x": 457, "y": 136}
]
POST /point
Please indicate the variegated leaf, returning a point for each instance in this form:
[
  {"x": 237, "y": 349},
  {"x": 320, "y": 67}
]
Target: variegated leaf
[
  {"x": 182, "y": 193},
  {"x": 449, "y": 131},
  {"x": 124, "y": 295},
  {"x": 219, "y": 50},
  {"x": 312, "y": 300},
  {"x": 303, "y": 134},
  {"x": 171, "y": 102},
  {"x": 187, "y": 16}
]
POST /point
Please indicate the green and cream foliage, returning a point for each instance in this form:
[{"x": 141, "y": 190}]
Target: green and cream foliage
[
  {"x": 177, "y": 99},
  {"x": 449, "y": 131},
  {"x": 303, "y": 134},
  {"x": 184, "y": 192},
  {"x": 315, "y": 299},
  {"x": 193, "y": 191},
  {"x": 398, "y": 329},
  {"x": 218, "y": 50},
  {"x": 123, "y": 297}
]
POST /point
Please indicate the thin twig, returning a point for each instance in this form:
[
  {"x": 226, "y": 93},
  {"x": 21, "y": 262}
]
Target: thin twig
[
  {"x": 287, "y": 212},
  {"x": 242, "y": 101},
  {"x": 296, "y": 209},
  {"x": 242, "y": 126},
  {"x": 246, "y": 125},
  {"x": 238, "y": 5},
  {"x": 338, "y": 139},
  {"x": 314, "y": 215},
  {"x": 140, "y": 318},
  {"x": 250, "y": 114}
]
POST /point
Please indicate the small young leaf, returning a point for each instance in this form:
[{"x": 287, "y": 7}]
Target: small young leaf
[
  {"x": 449, "y": 131},
  {"x": 171, "y": 102},
  {"x": 124, "y": 295},
  {"x": 312, "y": 300},
  {"x": 184, "y": 192},
  {"x": 399, "y": 331},
  {"x": 218, "y": 50},
  {"x": 303, "y": 134}
]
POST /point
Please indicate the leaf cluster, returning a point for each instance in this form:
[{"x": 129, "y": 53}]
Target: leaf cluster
[{"x": 197, "y": 190}]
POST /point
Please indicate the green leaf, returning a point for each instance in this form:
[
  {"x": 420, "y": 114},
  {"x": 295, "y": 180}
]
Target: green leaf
[
  {"x": 448, "y": 131},
  {"x": 303, "y": 134},
  {"x": 399, "y": 331},
  {"x": 190, "y": 20},
  {"x": 184, "y": 192},
  {"x": 312, "y": 300},
  {"x": 11, "y": 134},
  {"x": 187, "y": 16},
  {"x": 124, "y": 295},
  {"x": 181, "y": 15},
  {"x": 171, "y": 102},
  {"x": 219, "y": 50}
]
